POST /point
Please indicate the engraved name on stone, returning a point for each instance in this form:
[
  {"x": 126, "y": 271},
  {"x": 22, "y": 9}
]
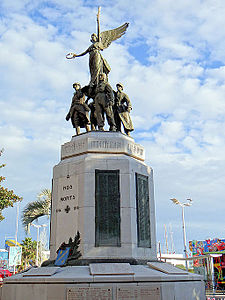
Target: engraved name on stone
[
  {"x": 135, "y": 149},
  {"x": 67, "y": 191},
  {"x": 105, "y": 144},
  {"x": 67, "y": 197},
  {"x": 74, "y": 147},
  {"x": 71, "y": 197},
  {"x": 139, "y": 293},
  {"x": 87, "y": 293},
  {"x": 66, "y": 188}
]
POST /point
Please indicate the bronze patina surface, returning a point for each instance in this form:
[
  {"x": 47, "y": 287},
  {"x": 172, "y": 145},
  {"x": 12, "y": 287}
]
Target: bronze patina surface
[
  {"x": 99, "y": 89},
  {"x": 79, "y": 110},
  {"x": 100, "y": 41},
  {"x": 104, "y": 101},
  {"x": 122, "y": 110}
]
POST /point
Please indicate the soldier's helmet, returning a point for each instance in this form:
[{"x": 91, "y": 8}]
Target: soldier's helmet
[
  {"x": 76, "y": 83},
  {"x": 120, "y": 84}
]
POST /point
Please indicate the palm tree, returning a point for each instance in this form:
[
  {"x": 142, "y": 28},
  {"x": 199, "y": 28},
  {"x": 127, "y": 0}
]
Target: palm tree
[{"x": 36, "y": 209}]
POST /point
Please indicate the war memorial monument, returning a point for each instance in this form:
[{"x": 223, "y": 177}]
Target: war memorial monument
[{"x": 103, "y": 239}]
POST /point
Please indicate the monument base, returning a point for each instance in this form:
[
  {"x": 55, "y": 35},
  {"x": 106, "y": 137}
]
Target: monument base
[
  {"x": 154, "y": 281},
  {"x": 103, "y": 189}
]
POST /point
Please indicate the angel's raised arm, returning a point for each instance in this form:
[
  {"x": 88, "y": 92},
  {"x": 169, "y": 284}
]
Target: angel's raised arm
[
  {"x": 73, "y": 55},
  {"x": 83, "y": 53}
]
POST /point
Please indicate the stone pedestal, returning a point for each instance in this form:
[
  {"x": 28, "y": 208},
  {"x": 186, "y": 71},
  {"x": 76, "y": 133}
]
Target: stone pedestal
[
  {"x": 103, "y": 189},
  {"x": 78, "y": 195}
]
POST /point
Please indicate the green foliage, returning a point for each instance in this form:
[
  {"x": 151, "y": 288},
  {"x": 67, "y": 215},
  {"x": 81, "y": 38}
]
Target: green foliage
[
  {"x": 36, "y": 209},
  {"x": 29, "y": 248},
  {"x": 182, "y": 267},
  {"x": 74, "y": 247},
  {"x": 7, "y": 197}
]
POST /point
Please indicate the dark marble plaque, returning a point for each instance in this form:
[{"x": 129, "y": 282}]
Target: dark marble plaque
[
  {"x": 107, "y": 208},
  {"x": 143, "y": 215}
]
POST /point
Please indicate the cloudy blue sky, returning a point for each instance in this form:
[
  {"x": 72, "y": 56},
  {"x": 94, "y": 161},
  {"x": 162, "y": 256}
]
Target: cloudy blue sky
[{"x": 172, "y": 64}]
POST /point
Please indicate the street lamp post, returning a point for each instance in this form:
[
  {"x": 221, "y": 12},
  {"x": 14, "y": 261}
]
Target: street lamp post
[
  {"x": 38, "y": 227},
  {"x": 188, "y": 203}
]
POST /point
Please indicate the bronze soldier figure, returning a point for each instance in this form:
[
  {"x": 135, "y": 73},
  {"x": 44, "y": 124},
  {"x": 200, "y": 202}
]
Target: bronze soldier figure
[
  {"x": 90, "y": 93},
  {"x": 79, "y": 110},
  {"x": 93, "y": 118},
  {"x": 104, "y": 101},
  {"x": 122, "y": 110}
]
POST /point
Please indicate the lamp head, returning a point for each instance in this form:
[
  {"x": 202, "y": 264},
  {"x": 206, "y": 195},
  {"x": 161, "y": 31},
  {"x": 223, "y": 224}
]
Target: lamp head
[
  {"x": 175, "y": 201},
  {"x": 188, "y": 203}
]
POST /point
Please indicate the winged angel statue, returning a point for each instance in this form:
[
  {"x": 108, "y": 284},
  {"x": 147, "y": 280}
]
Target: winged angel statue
[{"x": 100, "y": 41}]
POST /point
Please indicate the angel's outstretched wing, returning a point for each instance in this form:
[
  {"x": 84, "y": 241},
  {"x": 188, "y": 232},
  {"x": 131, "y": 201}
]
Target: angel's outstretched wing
[{"x": 111, "y": 35}]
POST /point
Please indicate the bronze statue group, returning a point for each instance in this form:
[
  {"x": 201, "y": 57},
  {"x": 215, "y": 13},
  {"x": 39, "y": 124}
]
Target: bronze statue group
[{"x": 115, "y": 105}]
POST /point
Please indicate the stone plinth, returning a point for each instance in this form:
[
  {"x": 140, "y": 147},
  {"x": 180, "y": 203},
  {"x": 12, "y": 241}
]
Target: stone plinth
[
  {"x": 75, "y": 190},
  {"x": 104, "y": 143},
  {"x": 77, "y": 283}
]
